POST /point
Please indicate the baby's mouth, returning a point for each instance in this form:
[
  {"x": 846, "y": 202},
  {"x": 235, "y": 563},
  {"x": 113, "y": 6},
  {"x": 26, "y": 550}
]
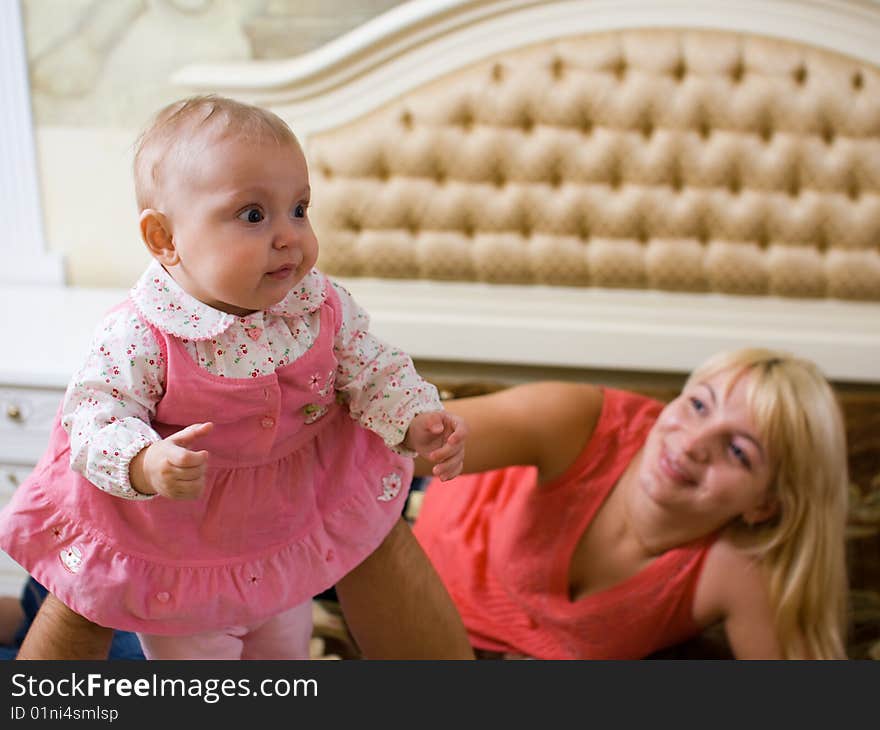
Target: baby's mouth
[{"x": 282, "y": 272}]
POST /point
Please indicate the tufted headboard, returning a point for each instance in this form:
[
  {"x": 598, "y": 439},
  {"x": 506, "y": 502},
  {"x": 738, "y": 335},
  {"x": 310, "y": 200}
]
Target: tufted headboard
[
  {"x": 665, "y": 159},
  {"x": 624, "y": 186}
]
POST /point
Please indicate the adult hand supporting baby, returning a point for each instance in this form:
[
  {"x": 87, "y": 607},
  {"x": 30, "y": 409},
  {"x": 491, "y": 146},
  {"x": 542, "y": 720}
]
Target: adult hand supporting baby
[
  {"x": 59, "y": 633},
  {"x": 169, "y": 468}
]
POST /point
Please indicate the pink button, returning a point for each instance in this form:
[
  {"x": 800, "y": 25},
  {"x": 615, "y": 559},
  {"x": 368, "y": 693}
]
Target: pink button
[
  {"x": 164, "y": 596},
  {"x": 267, "y": 422},
  {"x": 329, "y": 555}
]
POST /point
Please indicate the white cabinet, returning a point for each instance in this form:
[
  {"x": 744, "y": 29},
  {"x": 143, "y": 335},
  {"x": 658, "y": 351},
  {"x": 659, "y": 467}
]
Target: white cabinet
[
  {"x": 45, "y": 333},
  {"x": 26, "y": 416}
]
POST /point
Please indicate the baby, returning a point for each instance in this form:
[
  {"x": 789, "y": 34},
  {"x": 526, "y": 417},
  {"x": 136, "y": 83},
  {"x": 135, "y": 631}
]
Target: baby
[{"x": 236, "y": 440}]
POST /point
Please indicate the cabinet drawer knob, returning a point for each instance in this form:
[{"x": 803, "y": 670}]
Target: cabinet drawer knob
[{"x": 13, "y": 412}]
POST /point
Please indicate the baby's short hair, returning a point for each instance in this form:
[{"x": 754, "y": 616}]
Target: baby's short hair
[{"x": 174, "y": 129}]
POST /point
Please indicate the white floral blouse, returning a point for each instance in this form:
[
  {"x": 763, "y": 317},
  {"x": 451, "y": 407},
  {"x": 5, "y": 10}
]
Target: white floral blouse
[{"x": 111, "y": 400}]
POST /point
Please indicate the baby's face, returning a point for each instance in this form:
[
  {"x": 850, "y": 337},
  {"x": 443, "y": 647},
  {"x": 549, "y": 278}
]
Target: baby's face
[{"x": 239, "y": 221}]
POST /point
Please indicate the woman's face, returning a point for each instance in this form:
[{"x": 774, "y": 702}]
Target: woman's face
[{"x": 704, "y": 460}]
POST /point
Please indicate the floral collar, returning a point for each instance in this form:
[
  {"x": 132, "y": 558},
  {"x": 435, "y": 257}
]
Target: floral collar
[{"x": 164, "y": 304}]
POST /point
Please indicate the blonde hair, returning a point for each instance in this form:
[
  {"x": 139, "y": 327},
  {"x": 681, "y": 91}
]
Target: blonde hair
[
  {"x": 182, "y": 130},
  {"x": 803, "y": 547}
]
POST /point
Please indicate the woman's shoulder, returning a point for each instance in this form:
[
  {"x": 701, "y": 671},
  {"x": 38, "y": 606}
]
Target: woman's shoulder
[
  {"x": 734, "y": 588},
  {"x": 726, "y": 551},
  {"x": 731, "y": 575}
]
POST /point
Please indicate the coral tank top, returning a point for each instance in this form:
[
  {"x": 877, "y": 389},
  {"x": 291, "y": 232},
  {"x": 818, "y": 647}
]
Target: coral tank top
[{"x": 503, "y": 546}]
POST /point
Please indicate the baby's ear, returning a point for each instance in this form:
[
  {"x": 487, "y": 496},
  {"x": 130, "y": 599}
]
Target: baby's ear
[{"x": 157, "y": 237}]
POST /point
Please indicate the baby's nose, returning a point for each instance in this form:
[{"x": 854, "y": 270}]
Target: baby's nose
[{"x": 285, "y": 236}]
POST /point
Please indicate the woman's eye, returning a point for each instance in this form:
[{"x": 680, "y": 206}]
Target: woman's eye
[
  {"x": 697, "y": 405},
  {"x": 740, "y": 456},
  {"x": 300, "y": 210},
  {"x": 251, "y": 215}
]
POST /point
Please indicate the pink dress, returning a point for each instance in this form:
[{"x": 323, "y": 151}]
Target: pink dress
[{"x": 298, "y": 494}]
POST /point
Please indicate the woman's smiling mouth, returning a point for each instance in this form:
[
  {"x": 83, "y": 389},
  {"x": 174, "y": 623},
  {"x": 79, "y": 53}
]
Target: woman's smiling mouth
[{"x": 672, "y": 469}]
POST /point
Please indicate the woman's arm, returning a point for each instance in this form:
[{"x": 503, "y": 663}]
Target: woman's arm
[
  {"x": 544, "y": 424},
  {"x": 733, "y": 588}
]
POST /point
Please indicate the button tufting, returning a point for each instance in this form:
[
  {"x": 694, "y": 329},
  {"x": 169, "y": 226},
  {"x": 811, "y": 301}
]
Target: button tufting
[
  {"x": 267, "y": 422},
  {"x": 163, "y": 596},
  {"x": 329, "y": 555}
]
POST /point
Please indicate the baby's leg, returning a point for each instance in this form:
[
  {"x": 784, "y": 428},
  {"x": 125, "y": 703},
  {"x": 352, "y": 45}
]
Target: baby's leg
[
  {"x": 285, "y": 636},
  {"x": 397, "y": 607},
  {"x": 226, "y": 644}
]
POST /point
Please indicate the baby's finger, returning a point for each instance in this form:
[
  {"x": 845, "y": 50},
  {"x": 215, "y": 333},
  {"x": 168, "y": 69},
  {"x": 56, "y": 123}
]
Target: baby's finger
[
  {"x": 445, "y": 452},
  {"x": 448, "y": 469},
  {"x": 455, "y": 427},
  {"x": 187, "y": 435},
  {"x": 186, "y": 473},
  {"x": 433, "y": 422},
  {"x": 455, "y": 454},
  {"x": 186, "y": 490},
  {"x": 184, "y": 458}
]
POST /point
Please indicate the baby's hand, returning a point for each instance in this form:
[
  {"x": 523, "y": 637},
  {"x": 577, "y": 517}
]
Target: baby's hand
[
  {"x": 168, "y": 468},
  {"x": 439, "y": 437}
]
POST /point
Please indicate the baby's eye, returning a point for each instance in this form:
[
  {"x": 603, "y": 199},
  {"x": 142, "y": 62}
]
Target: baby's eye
[
  {"x": 698, "y": 405},
  {"x": 300, "y": 210},
  {"x": 251, "y": 215}
]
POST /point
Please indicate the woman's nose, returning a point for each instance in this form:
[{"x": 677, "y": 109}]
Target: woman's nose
[{"x": 696, "y": 445}]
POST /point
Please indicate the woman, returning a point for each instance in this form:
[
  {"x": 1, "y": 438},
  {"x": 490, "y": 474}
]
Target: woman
[{"x": 628, "y": 526}]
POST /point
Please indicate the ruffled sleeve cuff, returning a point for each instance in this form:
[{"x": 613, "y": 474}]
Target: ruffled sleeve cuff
[
  {"x": 392, "y": 426},
  {"x": 111, "y": 453}
]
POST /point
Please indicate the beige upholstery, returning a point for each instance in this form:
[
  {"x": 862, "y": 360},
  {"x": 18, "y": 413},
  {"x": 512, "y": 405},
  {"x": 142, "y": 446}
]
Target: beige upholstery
[{"x": 698, "y": 161}]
